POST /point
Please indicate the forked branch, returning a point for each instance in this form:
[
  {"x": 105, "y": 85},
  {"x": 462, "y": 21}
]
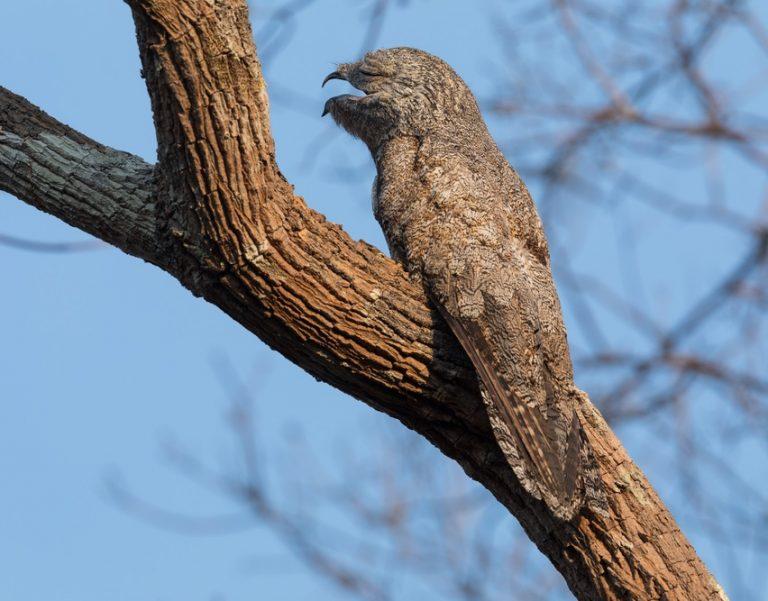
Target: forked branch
[{"x": 217, "y": 213}]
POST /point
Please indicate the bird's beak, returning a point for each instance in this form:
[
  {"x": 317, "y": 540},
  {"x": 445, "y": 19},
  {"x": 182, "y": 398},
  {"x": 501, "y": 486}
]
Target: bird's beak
[
  {"x": 327, "y": 107},
  {"x": 333, "y": 75},
  {"x": 340, "y": 73}
]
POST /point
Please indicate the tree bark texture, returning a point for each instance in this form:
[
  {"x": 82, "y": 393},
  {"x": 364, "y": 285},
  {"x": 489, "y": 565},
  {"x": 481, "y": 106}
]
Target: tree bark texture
[{"x": 216, "y": 213}]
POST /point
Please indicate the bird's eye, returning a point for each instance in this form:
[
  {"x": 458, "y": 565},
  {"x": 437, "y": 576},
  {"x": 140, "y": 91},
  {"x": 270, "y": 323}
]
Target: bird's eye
[{"x": 368, "y": 73}]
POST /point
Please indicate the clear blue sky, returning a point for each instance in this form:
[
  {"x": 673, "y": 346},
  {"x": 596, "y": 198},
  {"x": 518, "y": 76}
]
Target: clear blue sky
[{"x": 102, "y": 356}]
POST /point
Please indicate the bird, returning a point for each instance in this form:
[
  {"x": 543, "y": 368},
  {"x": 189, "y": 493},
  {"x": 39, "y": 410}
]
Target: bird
[{"x": 461, "y": 221}]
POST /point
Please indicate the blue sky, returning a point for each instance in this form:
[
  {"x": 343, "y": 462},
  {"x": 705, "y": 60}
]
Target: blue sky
[{"x": 103, "y": 357}]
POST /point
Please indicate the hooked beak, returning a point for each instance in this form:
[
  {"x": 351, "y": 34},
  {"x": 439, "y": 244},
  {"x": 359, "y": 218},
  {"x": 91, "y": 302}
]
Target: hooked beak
[{"x": 334, "y": 75}]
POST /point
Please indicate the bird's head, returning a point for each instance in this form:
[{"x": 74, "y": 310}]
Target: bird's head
[{"x": 405, "y": 92}]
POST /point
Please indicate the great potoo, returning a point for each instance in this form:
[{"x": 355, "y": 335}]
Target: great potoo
[{"x": 456, "y": 215}]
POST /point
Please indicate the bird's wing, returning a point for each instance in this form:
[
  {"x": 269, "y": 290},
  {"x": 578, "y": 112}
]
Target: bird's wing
[{"x": 502, "y": 307}]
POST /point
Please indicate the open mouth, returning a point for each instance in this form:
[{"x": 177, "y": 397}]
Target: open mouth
[
  {"x": 341, "y": 97},
  {"x": 346, "y": 97}
]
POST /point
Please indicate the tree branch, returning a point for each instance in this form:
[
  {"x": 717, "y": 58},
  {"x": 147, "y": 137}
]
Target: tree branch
[
  {"x": 227, "y": 224},
  {"x": 97, "y": 189}
]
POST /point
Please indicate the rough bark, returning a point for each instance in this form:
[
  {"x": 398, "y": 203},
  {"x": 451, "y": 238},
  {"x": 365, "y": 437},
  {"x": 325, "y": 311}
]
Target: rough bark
[
  {"x": 217, "y": 213},
  {"x": 102, "y": 191}
]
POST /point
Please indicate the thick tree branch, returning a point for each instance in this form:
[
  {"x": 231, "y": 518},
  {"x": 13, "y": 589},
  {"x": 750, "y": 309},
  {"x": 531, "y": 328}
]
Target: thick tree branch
[
  {"x": 97, "y": 189},
  {"x": 228, "y": 225}
]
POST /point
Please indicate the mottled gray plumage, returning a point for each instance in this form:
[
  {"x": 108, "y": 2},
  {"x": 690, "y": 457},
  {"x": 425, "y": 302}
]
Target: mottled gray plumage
[{"x": 458, "y": 216}]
